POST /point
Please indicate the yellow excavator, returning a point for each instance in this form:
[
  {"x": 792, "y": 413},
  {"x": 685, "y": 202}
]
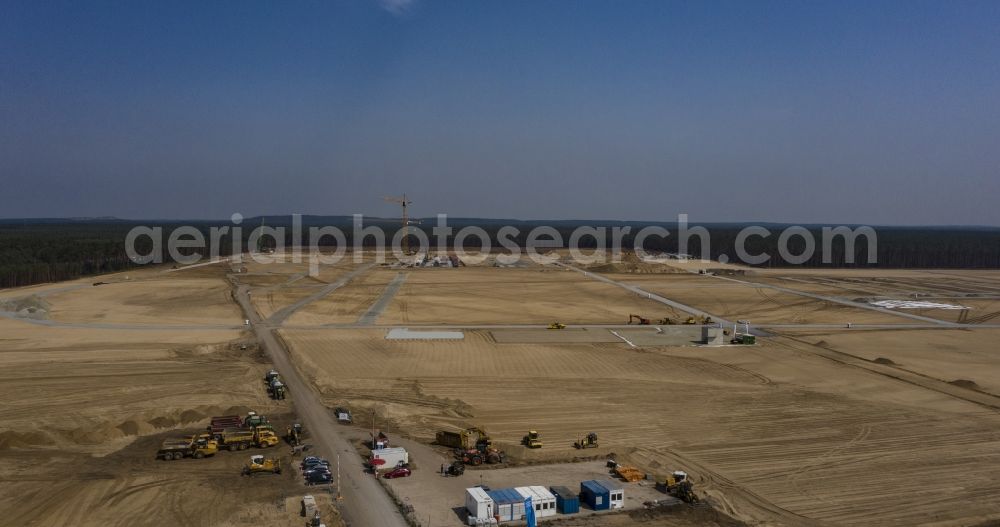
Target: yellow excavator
[{"x": 557, "y": 325}]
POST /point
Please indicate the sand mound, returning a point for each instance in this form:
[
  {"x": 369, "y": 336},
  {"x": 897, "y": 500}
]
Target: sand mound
[
  {"x": 635, "y": 267},
  {"x": 32, "y": 306},
  {"x": 190, "y": 416},
  {"x": 965, "y": 383},
  {"x": 129, "y": 428},
  {"x": 883, "y": 360},
  {"x": 9, "y": 440}
]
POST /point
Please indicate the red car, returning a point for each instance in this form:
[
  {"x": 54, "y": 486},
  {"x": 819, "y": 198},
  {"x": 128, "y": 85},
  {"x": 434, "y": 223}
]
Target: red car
[{"x": 400, "y": 472}]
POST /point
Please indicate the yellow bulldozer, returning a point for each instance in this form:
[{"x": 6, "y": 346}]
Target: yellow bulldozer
[
  {"x": 557, "y": 325},
  {"x": 260, "y": 465},
  {"x": 590, "y": 441},
  {"x": 698, "y": 320}
]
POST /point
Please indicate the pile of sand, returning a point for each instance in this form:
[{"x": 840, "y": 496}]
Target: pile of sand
[
  {"x": 32, "y": 306},
  {"x": 965, "y": 383},
  {"x": 104, "y": 432}
]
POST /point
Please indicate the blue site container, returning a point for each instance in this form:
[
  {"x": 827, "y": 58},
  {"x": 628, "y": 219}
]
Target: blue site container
[
  {"x": 567, "y": 502},
  {"x": 595, "y": 495}
]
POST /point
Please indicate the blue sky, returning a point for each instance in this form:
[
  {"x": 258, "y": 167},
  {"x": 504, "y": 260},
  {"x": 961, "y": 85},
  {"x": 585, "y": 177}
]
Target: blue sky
[{"x": 837, "y": 112}]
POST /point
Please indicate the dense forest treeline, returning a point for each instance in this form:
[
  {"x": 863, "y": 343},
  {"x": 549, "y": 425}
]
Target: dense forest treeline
[{"x": 34, "y": 252}]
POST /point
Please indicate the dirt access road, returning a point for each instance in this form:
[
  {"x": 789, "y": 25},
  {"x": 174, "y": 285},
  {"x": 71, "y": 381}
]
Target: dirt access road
[{"x": 364, "y": 501}]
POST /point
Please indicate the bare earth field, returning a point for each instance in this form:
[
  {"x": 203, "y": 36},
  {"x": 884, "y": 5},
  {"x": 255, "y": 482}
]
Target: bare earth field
[
  {"x": 760, "y": 305},
  {"x": 813, "y": 425},
  {"x": 346, "y": 304},
  {"x": 84, "y": 409},
  {"x": 533, "y": 295},
  {"x": 766, "y": 428},
  {"x": 976, "y": 290}
]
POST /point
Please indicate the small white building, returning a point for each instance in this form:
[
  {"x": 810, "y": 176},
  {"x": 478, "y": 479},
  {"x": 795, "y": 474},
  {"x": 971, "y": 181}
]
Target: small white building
[
  {"x": 547, "y": 500},
  {"x": 479, "y": 505},
  {"x": 542, "y": 500},
  {"x": 390, "y": 457},
  {"x": 616, "y": 492}
]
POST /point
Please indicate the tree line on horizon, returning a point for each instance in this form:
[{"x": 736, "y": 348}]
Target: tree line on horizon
[{"x": 52, "y": 252}]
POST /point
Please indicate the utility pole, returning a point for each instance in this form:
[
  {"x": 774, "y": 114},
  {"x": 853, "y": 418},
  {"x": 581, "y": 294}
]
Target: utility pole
[{"x": 340, "y": 496}]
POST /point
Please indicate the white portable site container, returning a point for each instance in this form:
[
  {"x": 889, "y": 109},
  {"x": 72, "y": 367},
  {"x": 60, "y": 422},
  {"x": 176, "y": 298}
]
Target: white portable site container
[
  {"x": 478, "y": 504},
  {"x": 543, "y": 501}
]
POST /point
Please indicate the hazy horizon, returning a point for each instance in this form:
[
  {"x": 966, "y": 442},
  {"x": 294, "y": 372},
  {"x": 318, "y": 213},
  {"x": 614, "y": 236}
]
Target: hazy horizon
[{"x": 780, "y": 112}]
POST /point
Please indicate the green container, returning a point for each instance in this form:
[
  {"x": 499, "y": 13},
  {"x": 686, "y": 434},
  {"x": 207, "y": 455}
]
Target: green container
[{"x": 749, "y": 339}]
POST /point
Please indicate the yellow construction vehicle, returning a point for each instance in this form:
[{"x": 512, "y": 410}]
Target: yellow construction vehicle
[
  {"x": 557, "y": 325},
  {"x": 532, "y": 440},
  {"x": 190, "y": 446},
  {"x": 261, "y": 465},
  {"x": 244, "y": 438},
  {"x": 678, "y": 485},
  {"x": 698, "y": 320},
  {"x": 468, "y": 439},
  {"x": 667, "y": 321},
  {"x": 587, "y": 442}
]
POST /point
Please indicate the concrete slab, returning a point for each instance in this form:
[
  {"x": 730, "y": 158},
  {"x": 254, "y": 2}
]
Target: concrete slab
[{"x": 408, "y": 334}]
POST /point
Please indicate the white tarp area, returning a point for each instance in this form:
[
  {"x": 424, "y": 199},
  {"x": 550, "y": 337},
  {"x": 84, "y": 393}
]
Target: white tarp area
[
  {"x": 913, "y": 304},
  {"x": 407, "y": 334}
]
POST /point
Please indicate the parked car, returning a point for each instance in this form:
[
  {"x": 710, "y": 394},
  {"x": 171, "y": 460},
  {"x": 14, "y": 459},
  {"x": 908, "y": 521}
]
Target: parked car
[
  {"x": 319, "y": 479},
  {"x": 398, "y": 472},
  {"x": 315, "y": 462},
  {"x": 317, "y": 470}
]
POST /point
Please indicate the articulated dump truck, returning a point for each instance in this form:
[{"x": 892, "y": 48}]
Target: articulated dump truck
[
  {"x": 193, "y": 446},
  {"x": 244, "y": 438}
]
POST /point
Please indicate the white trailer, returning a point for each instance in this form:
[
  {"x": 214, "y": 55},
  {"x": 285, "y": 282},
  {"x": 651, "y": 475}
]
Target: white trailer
[
  {"x": 616, "y": 493},
  {"x": 543, "y": 501},
  {"x": 479, "y": 505},
  {"x": 390, "y": 457},
  {"x": 309, "y": 506},
  {"x": 547, "y": 500}
]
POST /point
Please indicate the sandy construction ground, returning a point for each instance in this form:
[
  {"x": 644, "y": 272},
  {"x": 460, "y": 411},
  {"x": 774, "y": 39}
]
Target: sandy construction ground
[
  {"x": 164, "y": 300},
  {"x": 347, "y": 304},
  {"x": 977, "y": 290},
  {"x": 853, "y": 427},
  {"x": 771, "y": 431},
  {"x": 84, "y": 409},
  {"x": 534, "y": 295},
  {"x": 947, "y": 355},
  {"x": 736, "y": 301}
]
